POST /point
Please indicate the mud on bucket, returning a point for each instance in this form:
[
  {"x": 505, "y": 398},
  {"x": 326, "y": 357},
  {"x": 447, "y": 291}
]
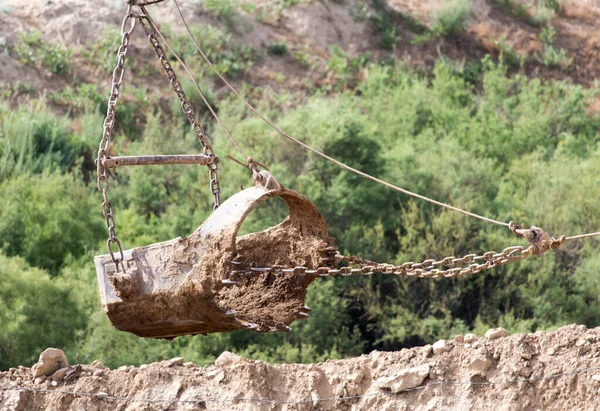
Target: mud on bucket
[{"x": 186, "y": 286}]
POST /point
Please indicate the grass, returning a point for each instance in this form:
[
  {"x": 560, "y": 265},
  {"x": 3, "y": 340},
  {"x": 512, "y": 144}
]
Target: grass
[{"x": 451, "y": 17}]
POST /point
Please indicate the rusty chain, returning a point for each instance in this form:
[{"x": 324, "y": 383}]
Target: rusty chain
[
  {"x": 109, "y": 122},
  {"x": 448, "y": 267},
  {"x": 430, "y": 268},
  {"x": 213, "y": 174}
]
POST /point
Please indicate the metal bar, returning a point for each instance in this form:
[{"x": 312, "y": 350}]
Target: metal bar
[
  {"x": 201, "y": 159},
  {"x": 142, "y": 2}
]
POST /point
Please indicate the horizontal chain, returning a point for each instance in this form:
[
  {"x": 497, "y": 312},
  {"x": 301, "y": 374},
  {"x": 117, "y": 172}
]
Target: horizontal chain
[{"x": 447, "y": 267}]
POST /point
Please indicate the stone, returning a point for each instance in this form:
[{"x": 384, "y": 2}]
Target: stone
[
  {"x": 404, "y": 380},
  {"x": 98, "y": 364},
  {"x": 54, "y": 383},
  {"x": 51, "y": 360},
  {"x": 123, "y": 368},
  {"x": 228, "y": 358},
  {"x": 99, "y": 373},
  {"x": 177, "y": 361},
  {"x": 440, "y": 346},
  {"x": 144, "y": 367},
  {"x": 526, "y": 355},
  {"x": 59, "y": 375},
  {"x": 480, "y": 364},
  {"x": 469, "y": 338},
  {"x": 596, "y": 378},
  {"x": 459, "y": 339},
  {"x": 189, "y": 364},
  {"x": 39, "y": 380},
  {"x": 427, "y": 350},
  {"x": 494, "y": 333}
]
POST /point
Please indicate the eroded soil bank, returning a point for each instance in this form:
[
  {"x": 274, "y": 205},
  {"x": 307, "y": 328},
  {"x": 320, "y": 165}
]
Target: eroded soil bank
[{"x": 547, "y": 370}]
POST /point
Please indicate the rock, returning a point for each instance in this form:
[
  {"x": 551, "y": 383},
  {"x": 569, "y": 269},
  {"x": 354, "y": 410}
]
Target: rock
[
  {"x": 144, "y": 367},
  {"x": 405, "y": 379},
  {"x": 596, "y": 378},
  {"x": 427, "y": 350},
  {"x": 177, "y": 361},
  {"x": 469, "y": 338},
  {"x": 123, "y": 368},
  {"x": 440, "y": 346},
  {"x": 581, "y": 343},
  {"x": 526, "y": 355},
  {"x": 60, "y": 374},
  {"x": 480, "y": 364},
  {"x": 102, "y": 394},
  {"x": 98, "y": 364},
  {"x": 494, "y": 333},
  {"x": 39, "y": 380},
  {"x": 54, "y": 383},
  {"x": 51, "y": 360},
  {"x": 99, "y": 373},
  {"x": 227, "y": 358},
  {"x": 189, "y": 364},
  {"x": 459, "y": 339}
]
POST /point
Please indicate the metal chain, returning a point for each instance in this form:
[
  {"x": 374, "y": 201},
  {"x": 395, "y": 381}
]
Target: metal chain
[
  {"x": 102, "y": 172},
  {"x": 213, "y": 169},
  {"x": 446, "y": 267}
]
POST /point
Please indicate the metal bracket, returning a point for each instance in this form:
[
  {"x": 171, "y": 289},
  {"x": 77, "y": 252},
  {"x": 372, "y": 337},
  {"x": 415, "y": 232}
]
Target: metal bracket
[
  {"x": 539, "y": 240},
  {"x": 201, "y": 159},
  {"x": 142, "y": 2}
]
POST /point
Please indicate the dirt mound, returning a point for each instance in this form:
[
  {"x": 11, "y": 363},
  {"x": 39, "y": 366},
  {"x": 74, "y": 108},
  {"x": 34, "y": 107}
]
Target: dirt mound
[{"x": 547, "y": 370}]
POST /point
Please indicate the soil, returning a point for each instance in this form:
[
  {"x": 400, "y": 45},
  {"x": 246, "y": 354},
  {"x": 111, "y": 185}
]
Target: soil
[
  {"x": 556, "y": 370},
  {"x": 310, "y": 28}
]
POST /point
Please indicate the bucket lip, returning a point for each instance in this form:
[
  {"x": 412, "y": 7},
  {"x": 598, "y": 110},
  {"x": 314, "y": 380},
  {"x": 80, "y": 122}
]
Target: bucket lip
[{"x": 145, "y": 247}]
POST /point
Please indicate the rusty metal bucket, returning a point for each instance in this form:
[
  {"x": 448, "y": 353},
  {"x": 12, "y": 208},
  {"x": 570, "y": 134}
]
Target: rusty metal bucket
[{"x": 185, "y": 285}]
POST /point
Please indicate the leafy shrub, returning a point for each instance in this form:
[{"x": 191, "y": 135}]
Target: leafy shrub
[
  {"x": 103, "y": 50},
  {"x": 38, "y": 142},
  {"x": 541, "y": 16},
  {"x": 277, "y": 49},
  {"x": 382, "y": 19},
  {"x": 35, "y": 310},
  {"x": 553, "y": 57},
  {"x": 553, "y": 4},
  {"x": 46, "y": 218},
  {"x": 451, "y": 17},
  {"x": 33, "y": 49}
]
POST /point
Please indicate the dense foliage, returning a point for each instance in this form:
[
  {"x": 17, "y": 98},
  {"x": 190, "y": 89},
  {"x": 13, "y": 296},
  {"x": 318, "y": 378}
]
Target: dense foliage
[{"x": 506, "y": 147}]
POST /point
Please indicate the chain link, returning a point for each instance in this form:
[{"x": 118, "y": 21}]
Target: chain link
[
  {"x": 186, "y": 107},
  {"x": 447, "y": 267},
  {"x": 108, "y": 210}
]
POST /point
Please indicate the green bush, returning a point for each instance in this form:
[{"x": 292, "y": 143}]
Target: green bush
[
  {"x": 451, "y": 17},
  {"x": 34, "y": 49},
  {"x": 46, "y": 218},
  {"x": 37, "y": 313},
  {"x": 277, "y": 49}
]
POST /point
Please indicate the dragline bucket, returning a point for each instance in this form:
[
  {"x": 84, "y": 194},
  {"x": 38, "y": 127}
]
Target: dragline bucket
[{"x": 189, "y": 286}]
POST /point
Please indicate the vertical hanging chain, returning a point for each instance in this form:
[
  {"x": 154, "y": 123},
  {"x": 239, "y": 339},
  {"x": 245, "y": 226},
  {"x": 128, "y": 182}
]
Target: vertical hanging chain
[
  {"x": 129, "y": 22},
  {"x": 213, "y": 169}
]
